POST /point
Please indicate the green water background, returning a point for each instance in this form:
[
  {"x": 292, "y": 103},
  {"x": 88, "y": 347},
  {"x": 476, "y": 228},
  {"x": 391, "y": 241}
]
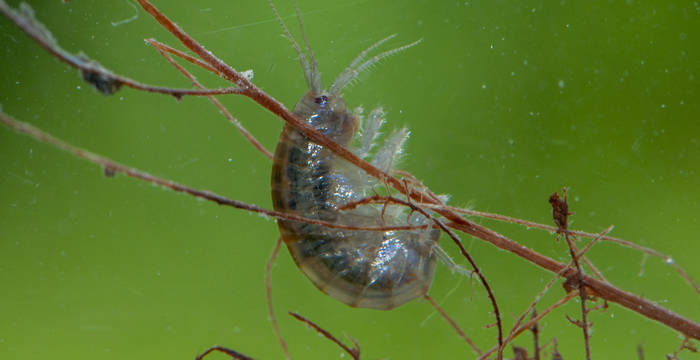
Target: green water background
[{"x": 507, "y": 101}]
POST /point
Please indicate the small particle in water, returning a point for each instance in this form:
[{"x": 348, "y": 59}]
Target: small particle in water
[
  {"x": 248, "y": 74},
  {"x": 230, "y": 160},
  {"x": 561, "y": 84},
  {"x": 483, "y": 86},
  {"x": 110, "y": 171},
  {"x": 669, "y": 261},
  {"x": 264, "y": 216},
  {"x": 663, "y": 106},
  {"x": 78, "y": 87}
]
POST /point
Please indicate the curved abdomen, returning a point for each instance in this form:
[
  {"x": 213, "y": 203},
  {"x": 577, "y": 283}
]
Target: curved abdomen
[{"x": 371, "y": 269}]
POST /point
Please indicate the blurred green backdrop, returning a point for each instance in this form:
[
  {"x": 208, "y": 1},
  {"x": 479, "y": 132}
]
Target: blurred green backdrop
[{"x": 508, "y": 101}]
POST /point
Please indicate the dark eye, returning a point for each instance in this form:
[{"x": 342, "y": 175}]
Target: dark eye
[{"x": 322, "y": 100}]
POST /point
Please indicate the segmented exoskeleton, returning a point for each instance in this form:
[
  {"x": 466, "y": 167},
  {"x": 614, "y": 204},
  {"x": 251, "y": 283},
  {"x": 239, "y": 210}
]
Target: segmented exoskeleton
[{"x": 371, "y": 269}]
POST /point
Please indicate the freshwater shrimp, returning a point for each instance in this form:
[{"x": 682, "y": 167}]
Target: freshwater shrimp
[{"x": 369, "y": 269}]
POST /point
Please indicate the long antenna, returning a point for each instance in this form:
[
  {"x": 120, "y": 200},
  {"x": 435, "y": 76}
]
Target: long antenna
[
  {"x": 315, "y": 74},
  {"x": 353, "y": 70},
  {"x": 313, "y": 81}
]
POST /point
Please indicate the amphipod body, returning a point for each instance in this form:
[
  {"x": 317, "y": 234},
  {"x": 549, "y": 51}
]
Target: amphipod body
[{"x": 371, "y": 269}]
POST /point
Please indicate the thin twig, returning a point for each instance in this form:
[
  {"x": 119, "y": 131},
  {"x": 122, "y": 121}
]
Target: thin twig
[
  {"x": 560, "y": 215},
  {"x": 681, "y": 347},
  {"x": 112, "y": 167},
  {"x": 640, "y": 352},
  {"x": 101, "y": 78},
  {"x": 531, "y": 308},
  {"x": 268, "y": 297},
  {"x": 535, "y": 337},
  {"x": 191, "y": 59},
  {"x": 602, "y": 289},
  {"x": 353, "y": 352},
  {"x": 531, "y": 224},
  {"x": 246, "y": 134},
  {"x": 532, "y": 321},
  {"x": 452, "y": 323},
  {"x": 232, "y": 353}
]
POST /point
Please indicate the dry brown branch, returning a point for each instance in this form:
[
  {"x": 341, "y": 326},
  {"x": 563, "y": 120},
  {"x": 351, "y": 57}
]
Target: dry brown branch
[
  {"x": 515, "y": 330},
  {"x": 535, "y": 337},
  {"x": 165, "y": 50},
  {"x": 534, "y": 320},
  {"x": 531, "y": 224},
  {"x": 454, "y": 324},
  {"x": 268, "y": 298},
  {"x": 602, "y": 289},
  {"x": 232, "y": 353},
  {"x": 112, "y": 167},
  {"x": 102, "y": 79},
  {"x": 354, "y": 352},
  {"x": 560, "y": 215}
]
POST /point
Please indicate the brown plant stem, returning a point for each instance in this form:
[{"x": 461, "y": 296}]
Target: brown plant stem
[
  {"x": 531, "y": 224},
  {"x": 533, "y": 321},
  {"x": 165, "y": 51},
  {"x": 353, "y": 352},
  {"x": 601, "y": 289},
  {"x": 560, "y": 215},
  {"x": 535, "y": 338},
  {"x": 232, "y": 353},
  {"x": 531, "y": 308},
  {"x": 103, "y": 79},
  {"x": 268, "y": 298},
  {"x": 112, "y": 167},
  {"x": 452, "y": 323}
]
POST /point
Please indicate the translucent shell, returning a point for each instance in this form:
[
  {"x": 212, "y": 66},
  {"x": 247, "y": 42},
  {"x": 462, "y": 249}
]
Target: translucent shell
[{"x": 370, "y": 269}]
